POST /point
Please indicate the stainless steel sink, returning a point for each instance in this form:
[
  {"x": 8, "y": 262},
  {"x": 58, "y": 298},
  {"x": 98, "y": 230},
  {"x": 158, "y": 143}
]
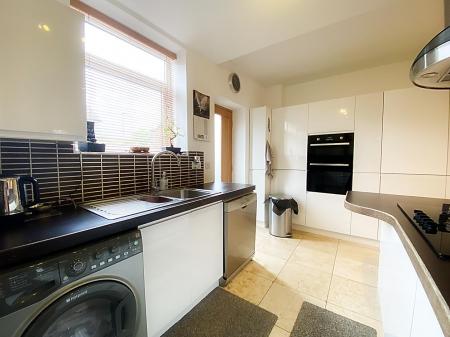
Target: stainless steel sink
[
  {"x": 185, "y": 193},
  {"x": 120, "y": 207},
  {"x": 155, "y": 199}
]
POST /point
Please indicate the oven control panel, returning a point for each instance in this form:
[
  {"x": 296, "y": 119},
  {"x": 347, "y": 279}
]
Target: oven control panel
[{"x": 29, "y": 284}]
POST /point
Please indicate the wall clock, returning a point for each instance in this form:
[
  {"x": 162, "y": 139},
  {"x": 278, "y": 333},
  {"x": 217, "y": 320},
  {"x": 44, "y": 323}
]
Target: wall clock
[{"x": 234, "y": 82}]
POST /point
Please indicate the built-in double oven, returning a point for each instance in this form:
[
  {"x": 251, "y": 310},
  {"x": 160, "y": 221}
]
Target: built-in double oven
[{"x": 330, "y": 163}]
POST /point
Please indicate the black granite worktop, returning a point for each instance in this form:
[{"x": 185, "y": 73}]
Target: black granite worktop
[
  {"x": 433, "y": 272},
  {"x": 35, "y": 239}
]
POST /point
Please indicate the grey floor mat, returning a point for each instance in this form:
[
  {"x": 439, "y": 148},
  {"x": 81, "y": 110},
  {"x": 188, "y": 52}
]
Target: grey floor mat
[
  {"x": 313, "y": 321},
  {"x": 222, "y": 314}
]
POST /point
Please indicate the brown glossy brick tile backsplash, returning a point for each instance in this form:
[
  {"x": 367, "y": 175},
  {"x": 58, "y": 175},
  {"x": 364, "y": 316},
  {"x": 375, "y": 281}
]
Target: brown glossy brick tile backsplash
[{"x": 64, "y": 174}]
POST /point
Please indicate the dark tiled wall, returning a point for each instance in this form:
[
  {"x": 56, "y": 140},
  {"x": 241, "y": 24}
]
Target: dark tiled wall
[{"x": 63, "y": 174}]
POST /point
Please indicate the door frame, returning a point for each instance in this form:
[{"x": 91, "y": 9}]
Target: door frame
[{"x": 226, "y": 143}]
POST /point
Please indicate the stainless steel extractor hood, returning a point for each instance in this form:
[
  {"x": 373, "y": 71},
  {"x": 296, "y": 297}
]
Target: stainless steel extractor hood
[{"x": 431, "y": 68}]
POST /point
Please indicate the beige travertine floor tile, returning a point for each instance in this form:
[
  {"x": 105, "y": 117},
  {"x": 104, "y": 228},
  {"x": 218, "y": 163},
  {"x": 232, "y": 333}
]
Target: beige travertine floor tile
[
  {"x": 286, "y": 303},
  {"x": 265, "y": 265},
  {"x": 356, "y": 271},
  {"x": 249, "y": 286},
  {"x": 313, "y": 258},
  {"x": 278, "y": 247},
  {"x": 354, "y": 296},
  {"x": 377, "y": 325},
  {"x": 278, "y": 332},
  {"x": 261, "y": 230},
  {"x": 309, "y": 281},
  {"x": 358, "y": 252},
  {"x": 322, "y": 243}
]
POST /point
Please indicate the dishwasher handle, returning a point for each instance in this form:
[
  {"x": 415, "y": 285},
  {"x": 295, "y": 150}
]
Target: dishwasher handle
[{"x": 239, "y": 203}]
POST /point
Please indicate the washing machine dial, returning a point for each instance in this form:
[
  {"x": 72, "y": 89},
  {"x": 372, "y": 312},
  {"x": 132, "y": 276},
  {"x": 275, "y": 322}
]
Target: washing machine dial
[{"x": 77, "y": 266}]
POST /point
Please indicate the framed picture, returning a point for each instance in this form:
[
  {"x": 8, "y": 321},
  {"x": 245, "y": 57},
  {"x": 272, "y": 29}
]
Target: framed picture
[{"x": 201, "y": 105}]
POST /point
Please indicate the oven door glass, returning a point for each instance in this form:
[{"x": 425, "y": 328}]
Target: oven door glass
[
  {"x": 98, "y": 309},
  {"x": 335, "y": 154},
  {"x": 325, "y": 179}
]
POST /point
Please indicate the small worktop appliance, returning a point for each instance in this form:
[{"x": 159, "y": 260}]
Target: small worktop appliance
[{"x": 13, "y": 199}]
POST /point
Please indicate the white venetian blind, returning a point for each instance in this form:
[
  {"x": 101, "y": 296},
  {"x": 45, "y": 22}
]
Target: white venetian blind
[{"x": 129, "y": 90}]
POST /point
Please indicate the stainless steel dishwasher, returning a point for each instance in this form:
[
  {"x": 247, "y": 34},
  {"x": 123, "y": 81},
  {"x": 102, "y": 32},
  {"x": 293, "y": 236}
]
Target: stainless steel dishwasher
[{"x": 239, "y": 234}]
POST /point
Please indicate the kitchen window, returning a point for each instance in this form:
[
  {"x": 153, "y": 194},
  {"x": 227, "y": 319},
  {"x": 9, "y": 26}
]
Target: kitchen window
[{"x": 129, "y": 90}]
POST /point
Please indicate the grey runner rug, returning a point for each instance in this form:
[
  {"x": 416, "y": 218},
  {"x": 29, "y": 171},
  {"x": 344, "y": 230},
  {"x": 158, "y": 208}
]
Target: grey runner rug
[
  {"x": 221, "y": 314},
  {"x": 313, "y": 321}
]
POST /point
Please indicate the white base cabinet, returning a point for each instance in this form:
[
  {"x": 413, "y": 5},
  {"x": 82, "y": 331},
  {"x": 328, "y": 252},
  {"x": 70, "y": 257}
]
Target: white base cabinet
[
  {"x": 405, "y": 308},
  {"x": 183, "y": 262},
  {"x": 326, "y": 211}
]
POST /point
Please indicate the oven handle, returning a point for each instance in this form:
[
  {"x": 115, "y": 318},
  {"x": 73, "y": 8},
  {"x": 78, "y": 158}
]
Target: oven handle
[
  {"x": 330, "y": 144},
  {"x": 326, "y": 164}
]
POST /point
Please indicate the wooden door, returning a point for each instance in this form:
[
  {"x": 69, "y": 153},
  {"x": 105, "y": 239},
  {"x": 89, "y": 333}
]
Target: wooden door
[{"x": 227, "y": 142}]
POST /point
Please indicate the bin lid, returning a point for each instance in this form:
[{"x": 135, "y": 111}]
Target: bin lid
[{"x": 280, "y": 197}]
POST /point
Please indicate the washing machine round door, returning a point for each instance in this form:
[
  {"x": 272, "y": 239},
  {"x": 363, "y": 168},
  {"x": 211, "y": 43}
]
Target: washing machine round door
[{"x": 97, "y": 309}]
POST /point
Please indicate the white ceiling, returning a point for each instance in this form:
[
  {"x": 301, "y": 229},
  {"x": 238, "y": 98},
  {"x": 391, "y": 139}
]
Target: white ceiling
[{"x": 281, "y": 41}]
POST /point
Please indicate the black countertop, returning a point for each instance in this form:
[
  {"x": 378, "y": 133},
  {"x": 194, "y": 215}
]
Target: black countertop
[
  {"x": 433, "y": 272},
  {"x": 35, "y": 239}
]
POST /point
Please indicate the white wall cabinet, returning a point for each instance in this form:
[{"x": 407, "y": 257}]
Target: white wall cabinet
[
  {"x": 336, "y": 115},
  {"x": 405, "y": 308},
  {"x": 183, "y": 261},
  {"x": 431, "y": 186},
  {"x": 260, "y": 132},
  {"x": 326, "y": 211},
  {"x": 415, "y": 131},
  {"x": 368, "y": 133},
  {"x": 260, "y": 119},
  {"x": 289, "y": 137},
  {"x": 42, "y": 71}
]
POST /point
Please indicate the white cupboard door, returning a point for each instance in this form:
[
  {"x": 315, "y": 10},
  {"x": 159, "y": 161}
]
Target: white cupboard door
[
  {"x": 166, "y": 246},
  {"x": 361, "y": 225},
  {"x": 206, "y": 225},
  {"x": 336, "y": 115},
  {"x": 183, "y": 262},
  {"x": 42, "y": 71},
  {"x": 425, "y": 322},
  {"x": 413, "y": 184},
  {"x": 259, "y": 134},
  {"x": 364, "y": 226},
  {"x": 262, "y": 183},
  {"x": 415, "y": 131},
  {"x": 368, "y": 131},
  {"x": 397, "y": 281},
  {"x": 326, "y": 211},
  {"x": 289, "y": 137},
  {"x": 292, "y": 183}
]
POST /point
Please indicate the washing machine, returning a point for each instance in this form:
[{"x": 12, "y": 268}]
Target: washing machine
[{"x": 96, "y": 290}]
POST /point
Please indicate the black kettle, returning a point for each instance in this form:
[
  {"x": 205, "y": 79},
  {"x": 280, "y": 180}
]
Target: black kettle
[{"x": 13, "y": 201}]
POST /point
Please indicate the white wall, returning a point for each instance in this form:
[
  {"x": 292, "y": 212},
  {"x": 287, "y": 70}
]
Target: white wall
[
  {"x": 387, "y": 77},
  {"x": 212, "y": 80},
  {"x": 195, "y": 72}
]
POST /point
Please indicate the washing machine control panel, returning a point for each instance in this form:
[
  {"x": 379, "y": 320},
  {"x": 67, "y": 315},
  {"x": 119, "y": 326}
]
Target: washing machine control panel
[{"x": 29, "y": 284}]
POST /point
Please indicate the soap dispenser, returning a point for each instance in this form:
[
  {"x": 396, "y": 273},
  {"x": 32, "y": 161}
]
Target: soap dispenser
[{"x": 164, "y": 182}]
